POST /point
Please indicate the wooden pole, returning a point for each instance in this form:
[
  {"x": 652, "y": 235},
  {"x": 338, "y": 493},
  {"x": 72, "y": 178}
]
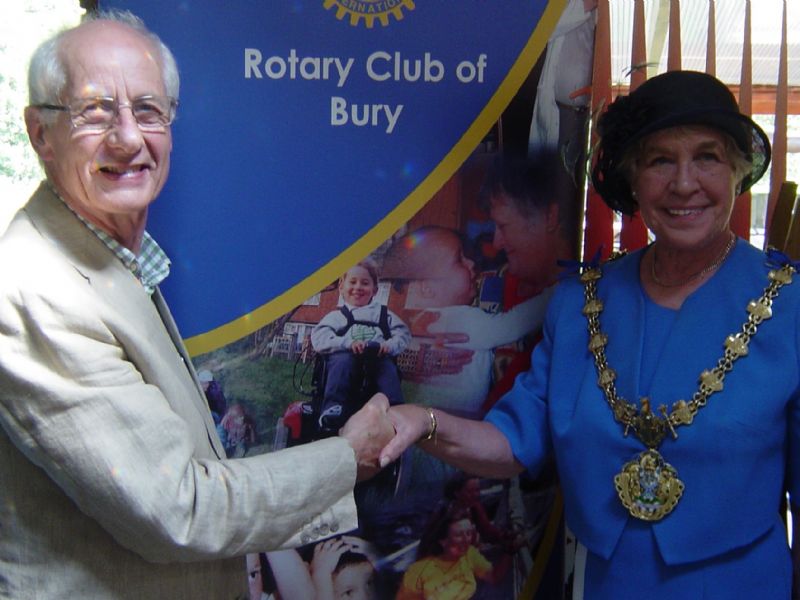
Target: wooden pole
[
  {"x": 599, "y": 232},
  {"x": 711, "y": 40},
  {"x": 674, "y": 48},
  {"x": 741, "y": 218},
  {"x": 634, "y": 233},
  {"x": 779, "y": 142}
]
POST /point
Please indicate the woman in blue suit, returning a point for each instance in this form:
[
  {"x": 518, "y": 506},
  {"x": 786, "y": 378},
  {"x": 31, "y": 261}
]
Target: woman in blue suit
[{"x": 667, "y": 385}]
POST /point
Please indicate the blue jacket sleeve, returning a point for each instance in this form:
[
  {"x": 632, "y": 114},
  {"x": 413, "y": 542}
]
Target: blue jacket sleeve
[{"x": 522, "y": 413}]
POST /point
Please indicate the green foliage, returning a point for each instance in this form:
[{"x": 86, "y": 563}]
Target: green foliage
[
  {"x": 262, "y": 385},
  {"x": 265, "y": 385},
  {"x": 15, "y": 161}
]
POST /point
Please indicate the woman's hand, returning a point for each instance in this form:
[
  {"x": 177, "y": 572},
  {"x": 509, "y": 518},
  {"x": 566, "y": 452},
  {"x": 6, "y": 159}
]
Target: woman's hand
[
  {"x": 476, "y": 447},
  {"x": 411, "y": 423}
]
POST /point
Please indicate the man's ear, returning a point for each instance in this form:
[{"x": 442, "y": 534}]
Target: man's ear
[{"x": 36, "y": 133}]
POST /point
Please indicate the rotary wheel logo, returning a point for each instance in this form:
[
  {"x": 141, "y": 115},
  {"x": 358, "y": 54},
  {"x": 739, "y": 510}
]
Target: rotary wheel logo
[{"x": 369, "y": 10}]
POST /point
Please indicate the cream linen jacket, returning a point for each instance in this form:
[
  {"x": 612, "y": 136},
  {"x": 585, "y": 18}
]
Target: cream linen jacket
[{"x": 113, "y": 483}]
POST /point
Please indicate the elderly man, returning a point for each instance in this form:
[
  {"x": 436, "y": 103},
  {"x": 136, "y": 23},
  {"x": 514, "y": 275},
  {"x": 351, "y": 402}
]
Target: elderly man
[{"x": 113, "y": 483}]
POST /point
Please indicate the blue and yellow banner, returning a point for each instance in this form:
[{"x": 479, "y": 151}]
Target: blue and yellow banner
[
  {"x": 309, "y": 130},
  {"x": 327, "y": 147}
]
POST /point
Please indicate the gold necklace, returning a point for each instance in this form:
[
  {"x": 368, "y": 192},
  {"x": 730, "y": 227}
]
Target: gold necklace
[
  {"x": 720, "y": 259},
  {"x": 648, "y": 486}
]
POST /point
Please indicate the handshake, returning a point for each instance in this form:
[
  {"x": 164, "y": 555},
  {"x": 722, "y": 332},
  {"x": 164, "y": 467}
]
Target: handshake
[{"x": 379, "y": 434}]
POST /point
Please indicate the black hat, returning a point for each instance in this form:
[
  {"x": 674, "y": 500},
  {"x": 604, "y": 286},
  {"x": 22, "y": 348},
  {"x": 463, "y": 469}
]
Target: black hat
[{"x": 668, "y": 100}]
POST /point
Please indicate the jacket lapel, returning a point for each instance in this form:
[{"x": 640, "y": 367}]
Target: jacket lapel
[
  {"x": 146, "y": 328},
  {"x": 172, "y": 329}
]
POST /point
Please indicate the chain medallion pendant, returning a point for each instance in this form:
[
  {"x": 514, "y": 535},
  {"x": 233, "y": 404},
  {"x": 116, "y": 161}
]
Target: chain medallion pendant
[{"x": 648, "y": 486}]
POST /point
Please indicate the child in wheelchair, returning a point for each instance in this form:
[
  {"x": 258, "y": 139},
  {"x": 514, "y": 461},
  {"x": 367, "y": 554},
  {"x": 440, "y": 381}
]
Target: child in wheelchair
[{"x": 357, "y": 345}]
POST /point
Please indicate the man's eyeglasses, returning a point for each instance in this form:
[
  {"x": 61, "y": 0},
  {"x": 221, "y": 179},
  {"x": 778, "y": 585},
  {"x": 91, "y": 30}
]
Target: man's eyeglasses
[{"x": 152, "y": 113}]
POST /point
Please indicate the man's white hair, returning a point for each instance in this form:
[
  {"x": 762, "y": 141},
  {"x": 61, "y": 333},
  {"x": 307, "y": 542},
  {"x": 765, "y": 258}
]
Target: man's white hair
[{"x": 47, "y": 72}]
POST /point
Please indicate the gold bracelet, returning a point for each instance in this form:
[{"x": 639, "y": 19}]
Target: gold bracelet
[{"x": 434, "y": 426}]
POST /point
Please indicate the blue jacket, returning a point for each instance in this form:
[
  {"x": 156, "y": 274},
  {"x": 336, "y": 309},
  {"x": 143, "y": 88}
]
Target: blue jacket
[{"x": 733, "y": 459}]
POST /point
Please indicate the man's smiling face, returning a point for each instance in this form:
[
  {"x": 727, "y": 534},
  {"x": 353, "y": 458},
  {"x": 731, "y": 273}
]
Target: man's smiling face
[{"x": 112, "y": 175}]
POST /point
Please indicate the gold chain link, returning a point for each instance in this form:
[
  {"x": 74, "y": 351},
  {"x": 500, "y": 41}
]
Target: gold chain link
[{"x": 646, "y": 425}]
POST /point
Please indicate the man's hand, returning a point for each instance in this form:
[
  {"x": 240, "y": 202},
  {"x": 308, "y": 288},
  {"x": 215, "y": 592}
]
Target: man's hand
[{"x": 368, "y": 431}]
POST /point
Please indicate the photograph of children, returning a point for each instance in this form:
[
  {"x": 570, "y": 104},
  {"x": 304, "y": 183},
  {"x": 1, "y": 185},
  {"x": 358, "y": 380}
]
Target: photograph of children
[
  {"x": 429, "y": 263},
  {"x": 449, "y": 565},
  {"x": 472, "y": 545},
  {"x": 338, "y": 568},
  {"x": 430, "y": 317},
  {"x": 444, "y": 313}
]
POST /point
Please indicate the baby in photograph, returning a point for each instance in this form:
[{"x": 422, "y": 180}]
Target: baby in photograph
[{"x": 441, "y": 281}]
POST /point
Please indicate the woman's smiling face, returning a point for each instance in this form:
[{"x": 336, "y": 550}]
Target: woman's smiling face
[{"x": 685, "y": 186}]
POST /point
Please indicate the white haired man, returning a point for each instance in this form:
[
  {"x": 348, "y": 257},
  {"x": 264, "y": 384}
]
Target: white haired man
[{"x": 113, "y": 483}]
